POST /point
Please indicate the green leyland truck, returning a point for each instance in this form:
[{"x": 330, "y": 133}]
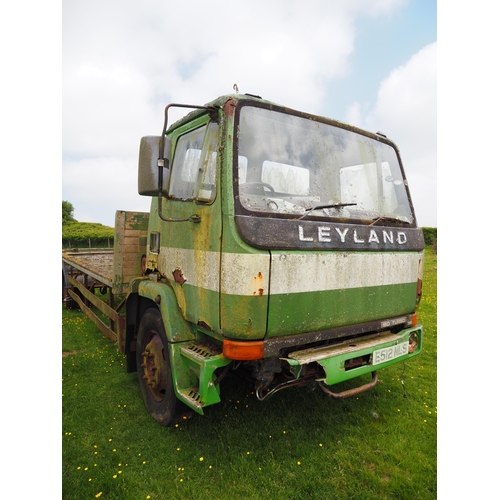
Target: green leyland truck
[{"x": 280, "y": 245}]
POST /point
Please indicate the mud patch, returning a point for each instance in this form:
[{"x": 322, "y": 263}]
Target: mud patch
[{"x": 68, "y": 353}]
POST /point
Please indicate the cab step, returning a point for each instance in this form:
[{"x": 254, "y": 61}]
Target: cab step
[
  {"x": 200, "y": 352},
  {"x": 192, "y": 398},
  {"x": 198, "y": 361}
]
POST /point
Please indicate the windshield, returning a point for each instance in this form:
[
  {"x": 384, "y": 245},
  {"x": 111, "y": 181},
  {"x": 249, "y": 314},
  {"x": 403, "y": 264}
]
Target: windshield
[{"x": 288, "y": 164}]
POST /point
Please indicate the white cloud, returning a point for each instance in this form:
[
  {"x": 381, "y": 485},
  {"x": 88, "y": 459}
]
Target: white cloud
[
  {"x": 406, "y": 111},
  {"x": 355, "y": 114},
  {"x": 407, "y": 99},
  {"x": 105, "y": 108},
  {"x": 98, "y": 187}
]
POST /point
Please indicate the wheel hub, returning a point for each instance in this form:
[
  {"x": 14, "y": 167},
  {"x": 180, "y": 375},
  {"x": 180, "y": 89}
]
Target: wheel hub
[{"x": 154, "y": 367}]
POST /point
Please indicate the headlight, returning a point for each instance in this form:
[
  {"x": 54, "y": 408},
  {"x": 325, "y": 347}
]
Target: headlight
[{"x": 413, "y": 342}]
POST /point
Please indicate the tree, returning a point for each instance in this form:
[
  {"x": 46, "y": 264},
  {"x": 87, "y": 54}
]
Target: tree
[{"x": 67, "y": 212}]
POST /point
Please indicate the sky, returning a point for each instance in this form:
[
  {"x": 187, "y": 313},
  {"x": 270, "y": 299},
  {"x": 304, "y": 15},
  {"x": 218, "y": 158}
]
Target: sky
[{"x": 369, "y": 63}]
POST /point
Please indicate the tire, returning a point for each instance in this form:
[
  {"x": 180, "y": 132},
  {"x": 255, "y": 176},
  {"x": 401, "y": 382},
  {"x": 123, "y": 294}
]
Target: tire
[{"x": 154, "y": 371}]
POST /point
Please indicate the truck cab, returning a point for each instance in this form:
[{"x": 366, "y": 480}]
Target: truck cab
[{"x": 280, "y": 242}]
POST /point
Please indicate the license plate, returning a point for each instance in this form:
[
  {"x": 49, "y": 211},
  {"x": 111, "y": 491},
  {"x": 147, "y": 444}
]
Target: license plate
[{"x": 389, "y": 353}]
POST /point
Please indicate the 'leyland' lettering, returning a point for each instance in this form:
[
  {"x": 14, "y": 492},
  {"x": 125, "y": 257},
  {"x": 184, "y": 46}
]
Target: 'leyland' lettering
[{"x": 324, "y": 234}]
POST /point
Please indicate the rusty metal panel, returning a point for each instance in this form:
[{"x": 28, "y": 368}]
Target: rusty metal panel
[
  {"x": 97, "y": 264},
  {"x": 345, "y": 347},
  {"x": 290, "y": 234},
  {"x": 131, "y": 229}
]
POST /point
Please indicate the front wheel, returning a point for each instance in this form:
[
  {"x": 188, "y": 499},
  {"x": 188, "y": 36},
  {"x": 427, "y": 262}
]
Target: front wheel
[{"x": 154, "y": 371}]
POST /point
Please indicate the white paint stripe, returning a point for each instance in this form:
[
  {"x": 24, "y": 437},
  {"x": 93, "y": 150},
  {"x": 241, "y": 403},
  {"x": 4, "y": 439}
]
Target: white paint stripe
[
  {"x": 293, "y": 273},
  {"x": 245, "y": 274},
  {"x": 248, "y": 274},
  {"x": 199, "y": 268}
]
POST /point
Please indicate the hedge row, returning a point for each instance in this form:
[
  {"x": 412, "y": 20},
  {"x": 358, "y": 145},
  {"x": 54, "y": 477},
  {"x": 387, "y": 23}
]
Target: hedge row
[
  {"x": 430, "y": 235},
  {"x": 87, "y": 234}
]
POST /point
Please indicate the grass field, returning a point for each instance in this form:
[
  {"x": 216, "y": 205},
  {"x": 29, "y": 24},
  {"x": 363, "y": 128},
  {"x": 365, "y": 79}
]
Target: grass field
[{"x": 297, "y": 445}]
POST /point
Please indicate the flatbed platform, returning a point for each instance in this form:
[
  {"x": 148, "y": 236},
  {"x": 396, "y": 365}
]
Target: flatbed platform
[
  {"x": 96, "y": 263},
  {"x": 85, "y": 270}
]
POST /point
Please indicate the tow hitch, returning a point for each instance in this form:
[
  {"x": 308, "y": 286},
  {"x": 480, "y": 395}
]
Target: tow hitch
[{"x": 350, "y": 392}]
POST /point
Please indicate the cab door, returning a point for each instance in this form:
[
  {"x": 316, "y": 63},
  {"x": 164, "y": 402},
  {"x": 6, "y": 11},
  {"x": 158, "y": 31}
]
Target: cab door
[{"x": 190, "y": 224}]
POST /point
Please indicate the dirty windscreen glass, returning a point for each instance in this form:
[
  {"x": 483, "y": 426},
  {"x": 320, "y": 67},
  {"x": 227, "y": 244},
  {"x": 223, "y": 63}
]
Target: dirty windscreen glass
[{"x": 291, "y": 165}]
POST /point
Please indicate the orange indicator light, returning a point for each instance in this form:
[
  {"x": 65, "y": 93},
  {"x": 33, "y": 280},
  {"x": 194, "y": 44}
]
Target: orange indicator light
[
  {"x": 243, "y": 351},
  {"x": 414, "y": 320}
]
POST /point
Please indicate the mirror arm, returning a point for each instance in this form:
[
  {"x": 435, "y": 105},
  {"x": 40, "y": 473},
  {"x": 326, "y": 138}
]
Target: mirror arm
[
  {"x": 162, "y": 160},
  {"x": 210, "y": 109}
]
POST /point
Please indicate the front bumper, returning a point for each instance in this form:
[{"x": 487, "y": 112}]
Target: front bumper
[{"x": 354, "y": 357}]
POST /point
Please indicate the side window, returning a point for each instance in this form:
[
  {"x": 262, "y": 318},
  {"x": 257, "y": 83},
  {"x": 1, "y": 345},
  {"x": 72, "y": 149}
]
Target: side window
[
  {"x": 185, "y": 166},
  {"x": 194, "y": 166},
  {"x": 205, "y": 189}
]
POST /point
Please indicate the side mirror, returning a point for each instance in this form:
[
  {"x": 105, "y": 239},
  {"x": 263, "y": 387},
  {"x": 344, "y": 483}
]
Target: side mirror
[{"x": 154, "y": 166}]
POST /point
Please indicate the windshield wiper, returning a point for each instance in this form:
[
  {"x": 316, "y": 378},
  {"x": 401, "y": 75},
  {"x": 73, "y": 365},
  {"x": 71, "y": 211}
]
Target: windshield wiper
[
  {"x": 388, "y": 219},
  {"x": 331, "y": 205}
]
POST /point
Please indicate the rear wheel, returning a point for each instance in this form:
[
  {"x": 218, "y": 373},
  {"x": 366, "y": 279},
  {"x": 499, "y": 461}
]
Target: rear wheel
[{"x": 154, "y": 370}]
